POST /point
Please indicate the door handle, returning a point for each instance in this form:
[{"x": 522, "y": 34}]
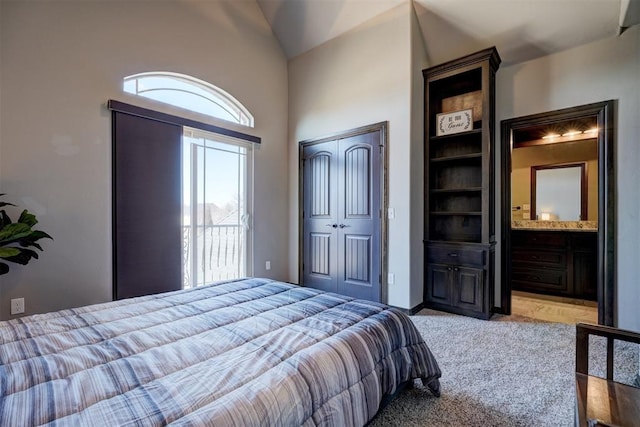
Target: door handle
[
  {"x": 332, "y": 225},
  {"x": 343, "y": 225}
]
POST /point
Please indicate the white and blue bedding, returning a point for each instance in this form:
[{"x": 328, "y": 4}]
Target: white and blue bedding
[{"x": 251, "y": 352}]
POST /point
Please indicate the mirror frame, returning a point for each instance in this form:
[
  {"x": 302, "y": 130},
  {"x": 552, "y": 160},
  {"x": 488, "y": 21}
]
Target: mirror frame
[
  {"x": 583, "y": 185},
  {"x": 603, "y": 112}
]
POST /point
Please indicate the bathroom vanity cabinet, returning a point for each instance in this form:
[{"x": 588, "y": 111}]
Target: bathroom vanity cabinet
[{"x": 562, "y": 263}]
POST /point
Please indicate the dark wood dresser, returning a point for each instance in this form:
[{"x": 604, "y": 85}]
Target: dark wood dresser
[{"x": 559, "y": 262}]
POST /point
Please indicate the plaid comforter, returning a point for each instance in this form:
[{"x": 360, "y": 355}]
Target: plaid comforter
[{"x": 249, "y": 352}]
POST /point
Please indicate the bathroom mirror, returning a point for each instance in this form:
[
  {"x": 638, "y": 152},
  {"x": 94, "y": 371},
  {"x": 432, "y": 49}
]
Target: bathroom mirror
[
  {"x": 559, "y": 192},
  {"x": 545, "y": 176}
]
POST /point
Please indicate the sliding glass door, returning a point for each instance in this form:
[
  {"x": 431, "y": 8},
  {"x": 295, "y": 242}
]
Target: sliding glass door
[{"x": 216, "y": 176}]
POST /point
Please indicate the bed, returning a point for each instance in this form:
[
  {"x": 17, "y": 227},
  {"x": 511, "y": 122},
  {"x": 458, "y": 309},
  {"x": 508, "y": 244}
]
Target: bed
[{"x": 239, "y": 353}]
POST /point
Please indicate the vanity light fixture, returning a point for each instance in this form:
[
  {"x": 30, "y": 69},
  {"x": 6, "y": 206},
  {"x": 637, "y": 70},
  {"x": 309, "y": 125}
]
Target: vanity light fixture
[
  {"x": 572, "y": 133},
  {"x": 592, "y": 130},
  {"x": 551, "y": 136},
  {"x": 545, "y": 216}
]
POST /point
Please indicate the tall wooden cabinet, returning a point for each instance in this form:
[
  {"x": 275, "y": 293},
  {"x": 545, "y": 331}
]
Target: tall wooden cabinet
[{"x": 459, "y": 184}]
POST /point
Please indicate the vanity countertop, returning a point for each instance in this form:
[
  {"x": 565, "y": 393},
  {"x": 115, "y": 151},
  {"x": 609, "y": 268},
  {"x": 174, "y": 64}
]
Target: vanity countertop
[{"x": 587, "y": 226}]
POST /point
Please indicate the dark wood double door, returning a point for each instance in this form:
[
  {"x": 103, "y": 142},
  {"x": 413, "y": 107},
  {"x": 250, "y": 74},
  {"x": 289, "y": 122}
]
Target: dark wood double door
[{"x": 341, "y": 215}]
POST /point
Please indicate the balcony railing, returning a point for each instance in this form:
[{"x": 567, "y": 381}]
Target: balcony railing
[{"x": 219, "y": 254}]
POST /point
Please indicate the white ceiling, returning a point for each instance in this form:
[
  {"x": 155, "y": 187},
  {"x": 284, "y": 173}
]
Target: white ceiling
[{"x": 520, "y": 29}]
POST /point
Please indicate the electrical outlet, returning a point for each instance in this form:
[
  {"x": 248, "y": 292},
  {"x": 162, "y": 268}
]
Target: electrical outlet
[
  {"x": 267, "y": 265},
  {"x": 391, "y": 278},
  {"x": 17, "y": 305}
]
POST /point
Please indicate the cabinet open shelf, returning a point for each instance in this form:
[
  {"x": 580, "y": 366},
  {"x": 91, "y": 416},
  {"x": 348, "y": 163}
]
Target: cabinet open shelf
[
  {"x": 456, "y": 190},
  {"x": 471, "y": 156},
  {"x": 455, "y": 176},
  {"x": 459, "y": 135},
  {"x": 455, "y": 201},
  {"x": 456, "y": 213},
  {"x": 469, "y": 143},
  {"x": 460, "y": 238}
]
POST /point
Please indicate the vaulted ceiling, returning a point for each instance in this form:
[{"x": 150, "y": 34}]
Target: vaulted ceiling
[{"x": 520, "y": 29}]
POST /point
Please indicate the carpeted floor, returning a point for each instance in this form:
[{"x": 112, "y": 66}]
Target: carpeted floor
[{"x": 509, "y": 371}]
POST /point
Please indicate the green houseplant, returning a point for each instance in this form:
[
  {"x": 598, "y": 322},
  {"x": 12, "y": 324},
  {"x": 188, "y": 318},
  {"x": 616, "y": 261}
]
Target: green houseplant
[{"x": 16, "y": 238}]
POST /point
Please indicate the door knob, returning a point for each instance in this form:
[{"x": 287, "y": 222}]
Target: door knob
[
  {"x": 343, "y": 225},
  {"x": 332, "y": 225}
]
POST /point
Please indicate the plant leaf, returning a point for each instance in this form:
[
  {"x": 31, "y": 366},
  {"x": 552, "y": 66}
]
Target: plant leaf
[
  {"x": 26, "y": 243},
  {"x": 23, "y": 257},
  {"x": 27, "y": 218},
  {"x": 31, "y": 239},
  {"x": 37, "y": 235},
  {"x": 13, "y": 232},
  {"x": 9, "y": 252},
  {"x": 19, "y": 233},
  {"x": 4, "y": 219}
]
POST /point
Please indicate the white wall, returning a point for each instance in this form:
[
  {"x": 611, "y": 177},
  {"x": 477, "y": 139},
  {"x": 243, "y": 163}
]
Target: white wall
[
  {"x": 360, "y": 78},
  {"x": 61, "y": 60},
  {"x": 418, "y": 63},
  {"x": 599, "y": 71}
]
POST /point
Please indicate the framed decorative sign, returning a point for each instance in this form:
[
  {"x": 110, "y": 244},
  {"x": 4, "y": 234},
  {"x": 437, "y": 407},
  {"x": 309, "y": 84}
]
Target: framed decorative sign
[{"x": 454, "y": 122}]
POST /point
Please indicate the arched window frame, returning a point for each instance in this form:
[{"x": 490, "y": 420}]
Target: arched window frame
[{"x": 219, "y": 98}]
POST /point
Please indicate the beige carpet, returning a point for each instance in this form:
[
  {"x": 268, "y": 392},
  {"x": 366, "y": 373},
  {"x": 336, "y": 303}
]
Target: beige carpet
[{"x": 509, "y": 371}]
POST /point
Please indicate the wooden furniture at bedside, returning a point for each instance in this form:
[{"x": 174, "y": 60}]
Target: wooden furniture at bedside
[{"x": 603, "y": 401}]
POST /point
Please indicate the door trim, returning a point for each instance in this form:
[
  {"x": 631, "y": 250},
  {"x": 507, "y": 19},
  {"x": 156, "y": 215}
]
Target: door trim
[
  {"x": 382, "y": 128},
  {"x": 606, "y": 284}
]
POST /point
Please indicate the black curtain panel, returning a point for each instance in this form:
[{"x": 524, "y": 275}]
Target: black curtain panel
[{"x": 147, "y": 206}]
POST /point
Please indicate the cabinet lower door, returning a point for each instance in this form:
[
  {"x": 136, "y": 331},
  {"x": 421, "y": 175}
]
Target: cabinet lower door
[
  {"x": 585, "y": 273},
  {"x": 439, "y": 284},
  {"x": 468, "y": 289}
]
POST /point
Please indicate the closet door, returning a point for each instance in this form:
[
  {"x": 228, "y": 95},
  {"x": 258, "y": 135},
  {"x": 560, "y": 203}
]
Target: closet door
[
  {"x": 359, "y": 216},
  {"x": 341, "y": 216},
  {"x": 320, "y": 216}
]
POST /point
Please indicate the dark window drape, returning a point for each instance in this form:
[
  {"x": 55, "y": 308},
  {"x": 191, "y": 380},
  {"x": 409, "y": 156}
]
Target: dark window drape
[{"x": 147, "y": 206}]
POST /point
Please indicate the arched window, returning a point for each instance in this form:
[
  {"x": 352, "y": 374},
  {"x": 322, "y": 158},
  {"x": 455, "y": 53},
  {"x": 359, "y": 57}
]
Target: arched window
[{"x": 190, "y": 93}]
